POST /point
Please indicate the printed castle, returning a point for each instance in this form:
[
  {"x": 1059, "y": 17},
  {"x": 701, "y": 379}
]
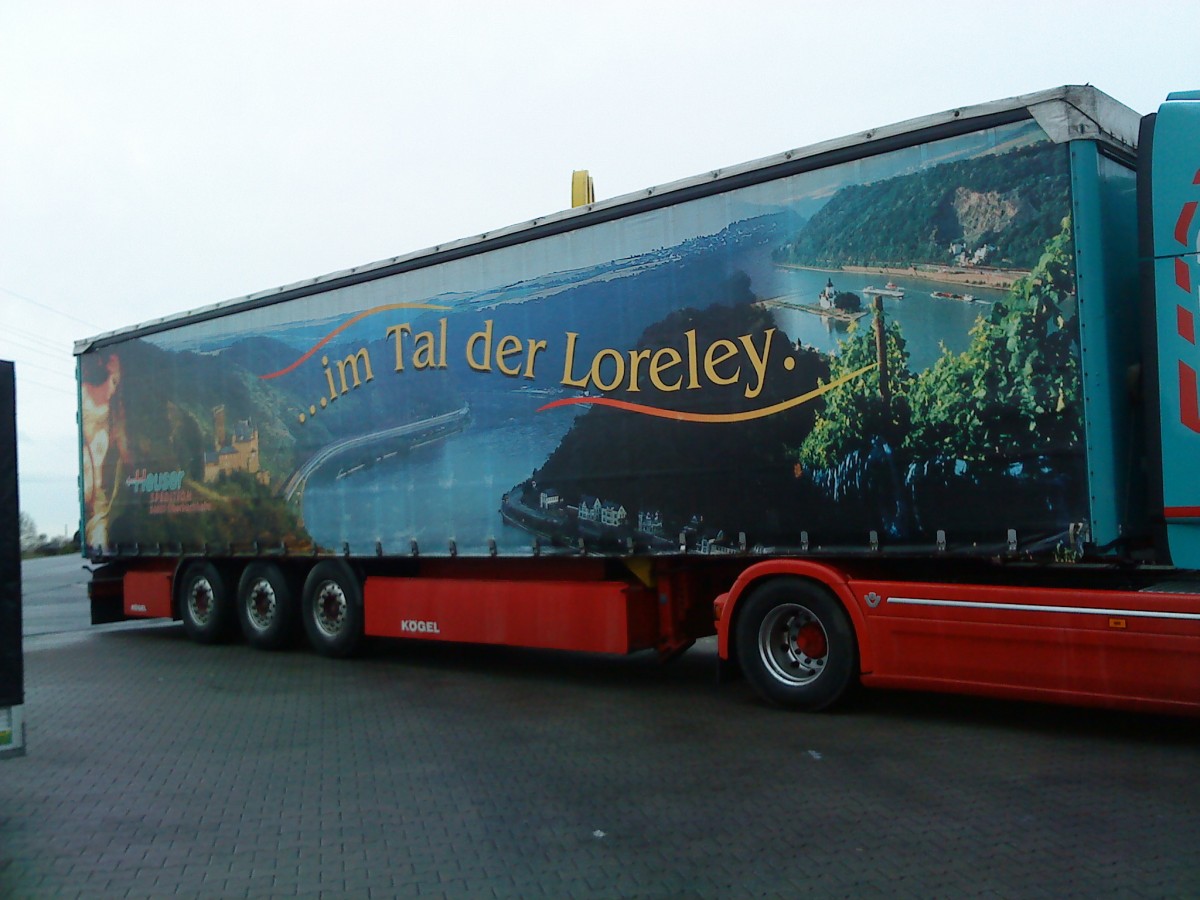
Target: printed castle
[{"x": 236, "y": 450}]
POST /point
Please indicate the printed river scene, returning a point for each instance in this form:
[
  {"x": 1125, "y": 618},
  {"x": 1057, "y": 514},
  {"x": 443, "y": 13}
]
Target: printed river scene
[
  {"x": 887, "y": 346},
  {"x": 491, "y": 455}
]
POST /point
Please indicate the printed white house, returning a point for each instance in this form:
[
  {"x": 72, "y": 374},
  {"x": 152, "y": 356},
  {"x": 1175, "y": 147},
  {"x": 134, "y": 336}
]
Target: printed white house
[
  {"x": 612, "y": 514},
  {"x": 589, "y": 509}
]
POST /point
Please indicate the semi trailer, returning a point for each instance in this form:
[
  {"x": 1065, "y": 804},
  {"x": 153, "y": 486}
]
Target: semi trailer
[{"x": 913, "y": 408}]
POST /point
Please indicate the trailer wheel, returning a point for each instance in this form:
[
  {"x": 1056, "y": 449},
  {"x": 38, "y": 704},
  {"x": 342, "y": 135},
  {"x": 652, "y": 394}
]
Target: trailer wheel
[
  {"x": 333, "y": 609},
  {"x": 204, "y": 603},
  {"x": 266, "y": 606},
  {"x": 796, "y": 644}
]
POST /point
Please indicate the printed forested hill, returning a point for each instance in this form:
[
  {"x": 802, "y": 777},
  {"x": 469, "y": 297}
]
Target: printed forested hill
[
  {"x": 1013, "y": 201},
  {"x": 163, "y": 419},
  {"x": 167, "y": 399},
  {"x": 735, "y": 476}
]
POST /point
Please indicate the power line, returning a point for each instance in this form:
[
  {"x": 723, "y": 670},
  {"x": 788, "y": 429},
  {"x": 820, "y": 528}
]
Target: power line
[
  {"x": 23, "y": 380},
  {"x": 34, "y": 336},
  {"x": 58, "y": 355},
  {"x": 25, "y": 363},
  {"x": 47, "y": 307}
]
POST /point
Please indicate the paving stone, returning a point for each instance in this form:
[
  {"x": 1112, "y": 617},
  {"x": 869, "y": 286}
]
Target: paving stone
[{"x": 159, "y": 768}]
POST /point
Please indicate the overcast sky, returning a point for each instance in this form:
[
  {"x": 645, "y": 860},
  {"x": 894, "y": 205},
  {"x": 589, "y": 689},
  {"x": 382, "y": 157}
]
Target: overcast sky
[{"x": 160, "y": 156}]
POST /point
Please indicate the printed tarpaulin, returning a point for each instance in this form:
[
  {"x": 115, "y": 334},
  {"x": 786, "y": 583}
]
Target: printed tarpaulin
[{"x": 886, "y": 346}]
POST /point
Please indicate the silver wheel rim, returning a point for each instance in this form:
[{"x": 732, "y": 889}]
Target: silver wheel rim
[
  {"x": 261, "y": 604},
  {"x": 200, "y": 601},
  {"x": 329, "y": 608},
  {"x": 793, "y": 644}
]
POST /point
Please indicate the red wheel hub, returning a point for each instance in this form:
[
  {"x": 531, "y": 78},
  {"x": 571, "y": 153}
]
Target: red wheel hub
[{"x": 810, "y": 641}]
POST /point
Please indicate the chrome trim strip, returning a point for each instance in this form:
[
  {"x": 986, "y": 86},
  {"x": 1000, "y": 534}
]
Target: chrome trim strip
[{"x": 1033, "y": 607}]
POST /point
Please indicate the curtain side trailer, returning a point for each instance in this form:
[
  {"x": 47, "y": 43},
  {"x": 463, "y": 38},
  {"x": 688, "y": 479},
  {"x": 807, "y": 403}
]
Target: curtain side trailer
[{"x": 915, "y": 408}]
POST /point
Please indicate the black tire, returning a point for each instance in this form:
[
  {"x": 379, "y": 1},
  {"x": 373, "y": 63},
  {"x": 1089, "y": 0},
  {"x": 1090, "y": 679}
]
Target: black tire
[
  {"x": 796, "y": 644},
  {"x": 204, "y": 603},
  {"x": 332, "y": 609},
  {"x": 266, "y": 606}
]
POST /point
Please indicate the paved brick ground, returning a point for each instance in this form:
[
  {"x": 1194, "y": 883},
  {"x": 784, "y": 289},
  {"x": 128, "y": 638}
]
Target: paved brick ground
[{"x": 160, "y": 768}]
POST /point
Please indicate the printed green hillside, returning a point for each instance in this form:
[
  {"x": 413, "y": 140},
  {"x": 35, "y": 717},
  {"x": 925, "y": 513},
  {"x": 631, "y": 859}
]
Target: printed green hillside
[
  {"x": 998, "y": 426},
  {"x": 162, "y": 420},
  {"x": 168, "y": 400},
  {"x": 1012, "y": 201}
]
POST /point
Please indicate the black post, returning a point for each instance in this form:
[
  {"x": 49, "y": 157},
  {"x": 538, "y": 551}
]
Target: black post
[{"x": 12, "y": 663}]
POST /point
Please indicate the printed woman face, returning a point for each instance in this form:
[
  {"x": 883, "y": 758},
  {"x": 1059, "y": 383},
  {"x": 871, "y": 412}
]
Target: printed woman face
[
  {"x": 114, "y": 374},
  {"x": 101, "y": 377}
]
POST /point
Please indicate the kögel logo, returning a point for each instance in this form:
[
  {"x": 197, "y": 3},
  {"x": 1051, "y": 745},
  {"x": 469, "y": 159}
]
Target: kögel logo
[{"x": 419, "y": 627}]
